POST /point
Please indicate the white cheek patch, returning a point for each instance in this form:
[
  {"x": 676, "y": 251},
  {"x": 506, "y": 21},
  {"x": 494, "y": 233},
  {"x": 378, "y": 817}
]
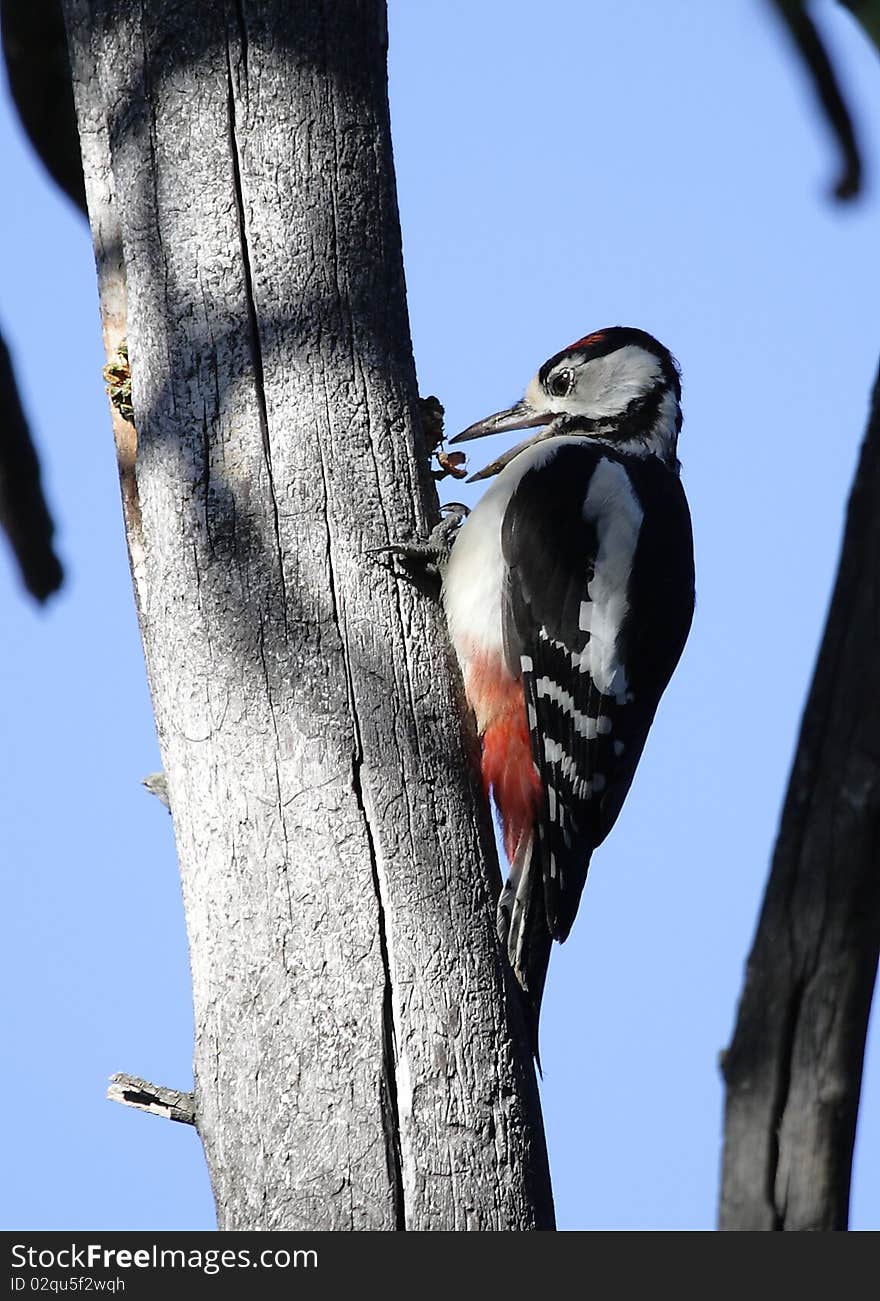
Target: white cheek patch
[{"x": 605, "y": 386}]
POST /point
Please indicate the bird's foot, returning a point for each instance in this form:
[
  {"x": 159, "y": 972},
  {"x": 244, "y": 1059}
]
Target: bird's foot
[{"x": 428, "y": 557}]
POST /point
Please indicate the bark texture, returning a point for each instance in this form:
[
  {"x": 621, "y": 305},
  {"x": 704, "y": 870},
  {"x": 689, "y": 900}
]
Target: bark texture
[
  {"x": 793, "y": 1070},
  {"x": 354, "y": 1066}
]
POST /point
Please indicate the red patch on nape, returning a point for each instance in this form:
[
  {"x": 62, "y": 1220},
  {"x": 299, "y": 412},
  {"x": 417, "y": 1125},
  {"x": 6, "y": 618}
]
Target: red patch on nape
[{"x": 588, "y": 341}]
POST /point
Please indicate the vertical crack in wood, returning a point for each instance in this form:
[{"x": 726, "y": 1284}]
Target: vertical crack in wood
[
  {"x": 390, "y": 1109},
  {"x": 389, "y": 1092},
  {"x": 787, "y": 1034},
  {"x": 242, "y": 33},
  {"x": 389, "y": 1100},
  {"x": 256, "y": 348}
]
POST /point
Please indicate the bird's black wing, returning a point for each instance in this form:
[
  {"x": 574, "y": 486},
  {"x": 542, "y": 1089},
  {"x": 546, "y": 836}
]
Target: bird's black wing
[{"x": 598, "y": 602}]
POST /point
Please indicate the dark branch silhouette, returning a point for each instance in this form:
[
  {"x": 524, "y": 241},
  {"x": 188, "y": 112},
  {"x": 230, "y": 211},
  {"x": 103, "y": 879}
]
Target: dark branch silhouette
[
  {"x": 35, "y": 49},
  {"x": 794, "y": 1068},
  {"x": 820, "y": 69},
  {"x": 867, "y": 12},
  {"x": 24, "y": 515}
]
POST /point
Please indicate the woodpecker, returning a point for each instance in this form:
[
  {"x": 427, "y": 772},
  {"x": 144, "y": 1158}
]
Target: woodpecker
[{"x": 569, "y": 595}]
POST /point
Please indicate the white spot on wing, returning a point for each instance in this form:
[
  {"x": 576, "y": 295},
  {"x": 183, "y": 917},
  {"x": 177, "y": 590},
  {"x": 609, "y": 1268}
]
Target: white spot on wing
[
  {"x": 613, "y": 508},
  {"x": 585, "y": 726}
]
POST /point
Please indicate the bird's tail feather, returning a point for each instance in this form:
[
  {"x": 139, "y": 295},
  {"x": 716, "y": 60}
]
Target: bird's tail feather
[{"x": 523, "y": 930}]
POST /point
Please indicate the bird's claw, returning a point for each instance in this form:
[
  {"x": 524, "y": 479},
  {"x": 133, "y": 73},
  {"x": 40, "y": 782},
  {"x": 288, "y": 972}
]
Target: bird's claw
[{"x": 428, "y": 556}]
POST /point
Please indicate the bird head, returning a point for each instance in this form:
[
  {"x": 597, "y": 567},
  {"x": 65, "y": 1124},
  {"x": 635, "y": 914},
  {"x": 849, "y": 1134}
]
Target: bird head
[{"x": 619, "y": 386}]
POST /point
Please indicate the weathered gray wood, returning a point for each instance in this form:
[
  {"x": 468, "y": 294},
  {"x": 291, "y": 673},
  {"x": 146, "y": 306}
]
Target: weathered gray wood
[
  {"x": 354, "y": 1065},
  {"x": 793, "y": 1070},
  {"x": 171, "y": 1104}
]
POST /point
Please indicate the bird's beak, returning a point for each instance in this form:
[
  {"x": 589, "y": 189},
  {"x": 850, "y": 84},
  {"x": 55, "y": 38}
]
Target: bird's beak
[{"x": 521, "y": 416}]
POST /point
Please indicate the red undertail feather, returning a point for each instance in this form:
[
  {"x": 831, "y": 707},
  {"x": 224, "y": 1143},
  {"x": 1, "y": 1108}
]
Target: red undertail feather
[
  {"x": 509, "y": 773},
  {"x": 508, "y": 768}
]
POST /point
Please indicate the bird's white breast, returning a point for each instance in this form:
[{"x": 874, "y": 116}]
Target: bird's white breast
[{"x": 474, "y": 581}]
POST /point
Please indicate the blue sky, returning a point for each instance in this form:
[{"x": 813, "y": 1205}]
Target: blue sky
[{"x": 560, "y": 168}]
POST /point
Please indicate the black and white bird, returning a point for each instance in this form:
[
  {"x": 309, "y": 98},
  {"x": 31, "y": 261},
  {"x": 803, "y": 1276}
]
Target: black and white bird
[{"x": 569, "y": 595}]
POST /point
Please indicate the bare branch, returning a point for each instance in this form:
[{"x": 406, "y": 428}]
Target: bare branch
[
  {"x": 35, "y": 48},
  {"x": 794, "y": 1068},
  {"x": 24, "y": 515},
  {"x": 173, "y": 1104},
  {"x": 820, "y": 69}
]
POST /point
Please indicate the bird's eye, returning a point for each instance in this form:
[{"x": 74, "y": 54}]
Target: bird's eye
[{"x": 560, "y": 383}]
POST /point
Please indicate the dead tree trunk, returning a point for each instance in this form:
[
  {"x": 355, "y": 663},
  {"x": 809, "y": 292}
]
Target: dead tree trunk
[
  {"x": 794, "y": 1068},
  {"x": 354, "y": 1068}
]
